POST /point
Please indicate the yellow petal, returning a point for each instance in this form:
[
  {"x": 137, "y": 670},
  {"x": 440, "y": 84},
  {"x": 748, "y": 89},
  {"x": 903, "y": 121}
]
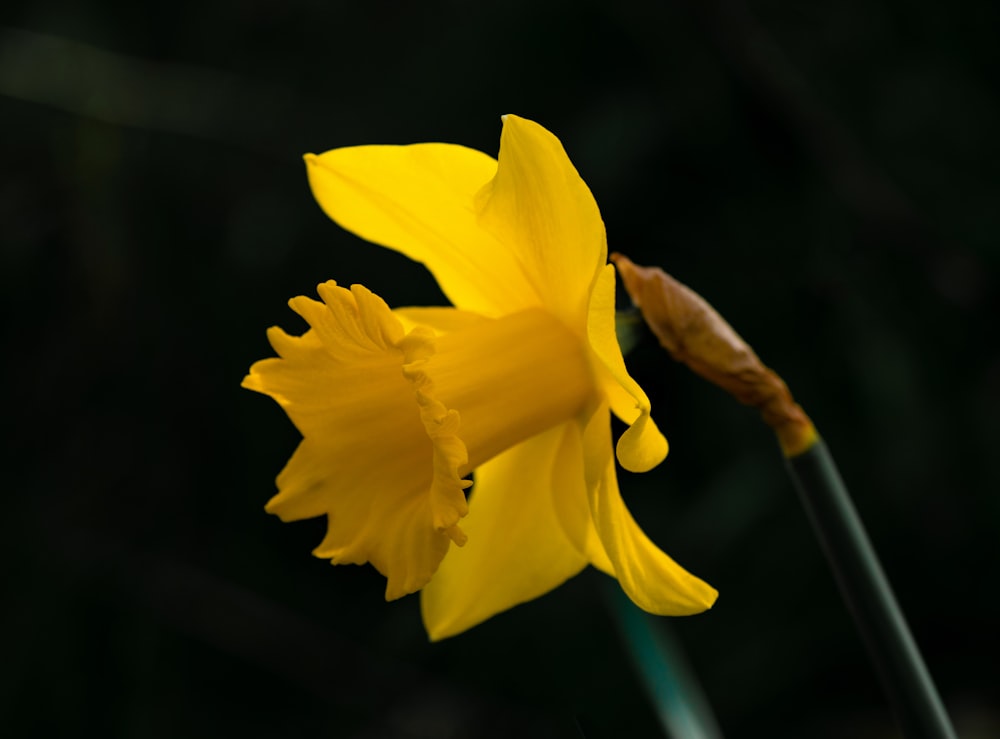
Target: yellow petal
[
  {"x": 498, "y": 237},
  {"x": 572, "y": 501},
  {"x": 651, "y": 579},
  {"x": 642, "y": 446},
  {"x": 438, "y": 319},
  {"x": 538, "y": 207},
  {"x": 516, "y": 549},
  {"x": 420, "y": 200}
]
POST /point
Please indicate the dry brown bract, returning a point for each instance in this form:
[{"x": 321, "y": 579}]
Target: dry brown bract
[{"x": 695, "y": 334}]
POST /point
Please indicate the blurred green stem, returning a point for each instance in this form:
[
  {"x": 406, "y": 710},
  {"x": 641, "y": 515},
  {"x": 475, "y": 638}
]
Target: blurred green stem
[
  {"x": 670, "y": 683},
  {"x": 864, "y": 587},
  {"x": 631, "y": 329}
]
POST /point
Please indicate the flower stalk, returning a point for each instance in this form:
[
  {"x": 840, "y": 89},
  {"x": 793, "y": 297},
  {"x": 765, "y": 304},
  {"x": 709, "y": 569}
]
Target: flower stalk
[
  {"x": 681, "y": 705},
  {"x": 695, "y": 334},
  {"x": 864, "y": 587}
]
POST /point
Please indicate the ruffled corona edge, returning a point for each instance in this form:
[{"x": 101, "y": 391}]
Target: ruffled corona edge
[
  {"x": 381, "y": 456},
  {"x": 447, "y": 490}
]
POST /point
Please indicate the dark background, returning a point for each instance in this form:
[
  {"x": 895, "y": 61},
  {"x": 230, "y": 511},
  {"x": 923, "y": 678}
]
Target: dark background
[{"x": 826, "y": 174}]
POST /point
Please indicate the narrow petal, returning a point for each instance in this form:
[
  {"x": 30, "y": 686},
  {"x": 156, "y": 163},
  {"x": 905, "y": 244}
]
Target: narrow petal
[
  {"x": 572, "y": 501},
  {"x": 516, "y": 549},
  {"x": 539, "y": 207},
  {"x": 420, "y": 200},
  {"x": 651, "y": 579},
  {"x": 642, "y": 446}
]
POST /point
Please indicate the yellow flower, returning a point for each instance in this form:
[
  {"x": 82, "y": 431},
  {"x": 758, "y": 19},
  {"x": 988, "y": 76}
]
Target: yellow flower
[{"x": 515, "y": 383}]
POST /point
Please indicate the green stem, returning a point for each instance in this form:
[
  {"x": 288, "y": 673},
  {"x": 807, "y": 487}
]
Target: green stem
[
  {"x": 911, "y": 691},
  {"x": 670, "y": 683},
  {"x": 630, "y": 328}
]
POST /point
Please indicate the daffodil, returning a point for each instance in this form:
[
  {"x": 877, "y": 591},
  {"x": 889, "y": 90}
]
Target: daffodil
[{"x": 514, "y": 385}]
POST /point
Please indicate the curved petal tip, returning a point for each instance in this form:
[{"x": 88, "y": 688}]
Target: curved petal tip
[{"x": 642, "y": 446}]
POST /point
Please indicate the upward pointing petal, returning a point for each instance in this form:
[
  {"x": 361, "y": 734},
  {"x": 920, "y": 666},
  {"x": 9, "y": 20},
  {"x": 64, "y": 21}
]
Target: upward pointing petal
[
  {"x": 419, "y": 200},
  {"x": 498, "y": 237},
  {"x": 539, "y": 207}
]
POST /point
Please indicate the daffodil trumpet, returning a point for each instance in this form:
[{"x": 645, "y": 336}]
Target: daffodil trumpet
[{"x": 514, "y": 385}]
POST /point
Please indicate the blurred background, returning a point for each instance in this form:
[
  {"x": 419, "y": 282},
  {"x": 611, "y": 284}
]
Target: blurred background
[{"x": 826, "y": 174}]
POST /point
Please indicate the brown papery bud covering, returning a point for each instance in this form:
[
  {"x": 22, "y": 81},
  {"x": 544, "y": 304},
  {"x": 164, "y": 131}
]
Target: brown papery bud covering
[{"x": 695, "y": 334}]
